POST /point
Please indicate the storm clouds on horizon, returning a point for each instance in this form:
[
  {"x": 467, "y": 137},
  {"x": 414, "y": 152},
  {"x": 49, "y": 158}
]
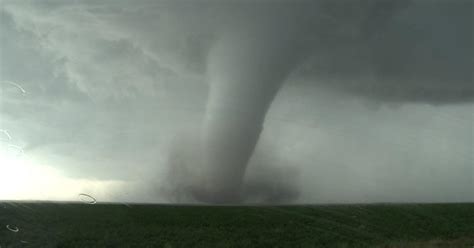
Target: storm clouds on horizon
[{"x": 309, "y": 101}]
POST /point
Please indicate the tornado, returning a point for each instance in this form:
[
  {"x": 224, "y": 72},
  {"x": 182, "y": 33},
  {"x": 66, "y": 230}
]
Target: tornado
[
  {"x": 246, "y": 68},
  {"x": 256, "y": 48}
]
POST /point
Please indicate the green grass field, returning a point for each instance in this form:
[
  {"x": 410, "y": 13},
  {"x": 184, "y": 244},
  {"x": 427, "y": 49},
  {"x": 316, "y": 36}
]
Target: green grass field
[{"x": 107, "y": 225}]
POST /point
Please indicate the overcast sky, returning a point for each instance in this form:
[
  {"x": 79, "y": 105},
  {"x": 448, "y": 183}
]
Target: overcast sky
[{"x": 110, "y": 89}]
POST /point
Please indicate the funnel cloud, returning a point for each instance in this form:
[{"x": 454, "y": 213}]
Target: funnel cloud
[{"x": 252, "y": 58}]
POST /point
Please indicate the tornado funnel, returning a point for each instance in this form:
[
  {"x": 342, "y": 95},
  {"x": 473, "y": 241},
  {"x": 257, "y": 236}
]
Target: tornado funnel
[{"x": 246, "y": 69}]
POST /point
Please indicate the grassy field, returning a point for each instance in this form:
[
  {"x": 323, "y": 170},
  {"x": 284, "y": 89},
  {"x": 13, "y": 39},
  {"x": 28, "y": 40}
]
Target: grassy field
[{"x": 107, "y": 225}]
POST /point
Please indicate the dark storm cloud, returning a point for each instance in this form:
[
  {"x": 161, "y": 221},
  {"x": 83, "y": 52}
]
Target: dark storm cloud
[
  {"x": 399, "y": 50},
  {"x": 423, "y": 53}
]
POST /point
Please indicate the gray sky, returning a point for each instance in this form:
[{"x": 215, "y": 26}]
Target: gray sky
[{"x": 111, "y": 88}]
